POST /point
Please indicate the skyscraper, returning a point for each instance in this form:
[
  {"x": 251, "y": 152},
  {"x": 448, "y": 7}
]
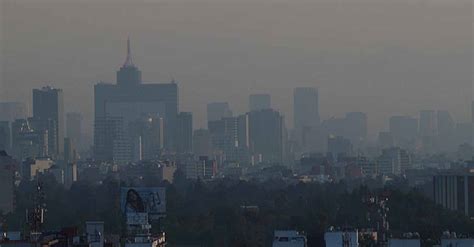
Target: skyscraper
[
  {"x": 446, "y": 131},
  {"x": 259, "y": 102},
  {"x": 74, "y": 128},
  {"x": 128, "y": 100},
  {"x": 48, "y": 114},
  {"x": 267, "y": 136},
  {"x": 305, "y": 107},
  {"x": 218, "y": 110},
  {"x": 5, "y": 136},
  {"x": 185, "y": 132}
]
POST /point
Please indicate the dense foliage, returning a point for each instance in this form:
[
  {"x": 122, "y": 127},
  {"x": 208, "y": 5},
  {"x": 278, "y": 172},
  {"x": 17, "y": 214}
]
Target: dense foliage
[{"x": 209, "y": 213}]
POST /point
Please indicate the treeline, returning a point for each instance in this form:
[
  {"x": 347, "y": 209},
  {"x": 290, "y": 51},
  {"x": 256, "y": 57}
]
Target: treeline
[{"x": 210, "y": 213}]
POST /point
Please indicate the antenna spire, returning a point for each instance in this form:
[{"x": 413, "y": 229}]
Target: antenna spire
[{"x": 128, "y": 60}]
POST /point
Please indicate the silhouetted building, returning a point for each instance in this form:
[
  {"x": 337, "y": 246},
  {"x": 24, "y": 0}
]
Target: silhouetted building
[
  {"x": 306, "y": 121},
  {"x": 185, "y": 132},
  {"x": 74, "y": 128},
  {"x": 202, "y": 145},
  {"x": 127, "y": 101},
  {"x": 218, "y": 110},
  {"x": 229, "y": 137},
  {"x": 259, "y": 102},
  {"x": 5, "y": 135},
  {"x": 28, "y": 142},
  {"x": 339, "y": 147},
  {"x": 147, "y": 137},
  {"x": 446, "y": 131},
  {"x": 48, "y": 114},
  {"x": 8, "y": 166},
  {"x": 267, "y": 136}
]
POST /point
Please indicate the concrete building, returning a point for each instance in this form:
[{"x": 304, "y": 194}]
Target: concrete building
[
  {"x": 218, "y": 110},
  {"x": 455, "y": 192},
  {"x": 289, "y": 239},
  {"x": 8, "y": 166},
  {"x": 259, "y": 102},
  {"x": 129, "y": 100},
  {"x": 48, "y": 114}
]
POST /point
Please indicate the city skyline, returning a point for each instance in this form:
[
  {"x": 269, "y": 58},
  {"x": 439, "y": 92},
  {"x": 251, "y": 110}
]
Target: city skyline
[{"x": 384, "y": 66}]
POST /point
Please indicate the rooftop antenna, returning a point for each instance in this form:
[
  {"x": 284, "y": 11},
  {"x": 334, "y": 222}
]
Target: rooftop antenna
[{"x": 128, "y": 60}]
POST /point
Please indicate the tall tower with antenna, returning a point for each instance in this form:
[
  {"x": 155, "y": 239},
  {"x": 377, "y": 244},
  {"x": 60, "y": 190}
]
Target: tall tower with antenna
[{"x": 129, "y": 74}]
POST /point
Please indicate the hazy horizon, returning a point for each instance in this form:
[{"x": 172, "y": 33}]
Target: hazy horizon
[{"x": 380, "y": 57}]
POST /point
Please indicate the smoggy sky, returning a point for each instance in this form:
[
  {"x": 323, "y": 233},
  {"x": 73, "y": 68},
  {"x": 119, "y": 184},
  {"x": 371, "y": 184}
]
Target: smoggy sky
[{"x": 382, "y": 57}]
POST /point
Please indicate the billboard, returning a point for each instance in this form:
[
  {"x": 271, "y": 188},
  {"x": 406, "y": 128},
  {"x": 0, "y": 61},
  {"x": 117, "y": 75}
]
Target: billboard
[{"x": 150, "y": 200}]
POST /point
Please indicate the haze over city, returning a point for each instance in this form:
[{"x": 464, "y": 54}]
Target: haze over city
[
  {"x": 380, "y": 57},
  {"x": 236, "y": 123}
]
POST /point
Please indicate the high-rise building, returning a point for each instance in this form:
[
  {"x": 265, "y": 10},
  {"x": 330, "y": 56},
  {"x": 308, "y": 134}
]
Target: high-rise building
[
  {"x": 404, "y": 130},
  {"x": 147, "y": 137},
  {"x": 28, "y": 142},
  {"x": 218, "y": 110},
  {"x": 5, "y": 136},
  {"x": 202, "y": 145},
  {"x": 393, "y": 161},
  {"x": 339, "y": 147},
  {"x": 259, "y": 102},
  {"x": 128, "y": 100},
  {"x": 10, "y": 111},
  {"x": 229, "y": 137},
  {"x": 305, "y": 107},
  {"x": 185, "y": 132},
  {"x": 267, "y": 136},
  {"x": 8, "y": 166},
  {"x": 48, "y": 114},
  {"x": 74, "y": 128},
  {"x": 306, "y": 122},
  {"x": 446, "y": 131},
  {"x": 455, "y": 192}
]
